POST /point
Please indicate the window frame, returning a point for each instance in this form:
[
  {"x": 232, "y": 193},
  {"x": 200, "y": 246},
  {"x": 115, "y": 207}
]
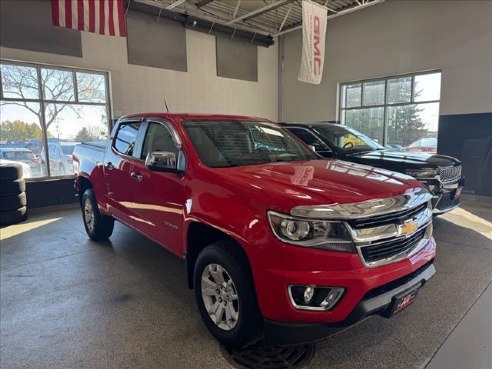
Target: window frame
[
  {"x": 342, "y": 100},
  {"x": 43, "y": 102}
]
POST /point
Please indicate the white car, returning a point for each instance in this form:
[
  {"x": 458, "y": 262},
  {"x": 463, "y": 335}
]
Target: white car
[{"x": 26, "y": 169}]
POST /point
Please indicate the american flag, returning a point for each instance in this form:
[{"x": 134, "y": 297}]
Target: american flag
[{"x": 106, "y": 17}]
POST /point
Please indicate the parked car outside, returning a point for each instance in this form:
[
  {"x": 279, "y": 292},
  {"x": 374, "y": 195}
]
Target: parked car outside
[
  {"x": 428, "y": 144},
  {"x": 60, "y": 156},
  {"x": 278, "y": 242},
  {"x": 19, "y": 154},
  {"x": 440, "y": 174}
]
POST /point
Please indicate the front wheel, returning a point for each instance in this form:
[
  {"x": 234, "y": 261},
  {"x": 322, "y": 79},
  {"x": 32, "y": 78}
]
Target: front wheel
[
  {"x": 97, "y": 226},
  {"x": 226, "y": 296}
]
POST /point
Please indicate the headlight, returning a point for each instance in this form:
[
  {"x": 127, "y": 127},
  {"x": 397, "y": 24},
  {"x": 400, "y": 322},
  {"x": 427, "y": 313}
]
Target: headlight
[
  {"x": 422, "y": 173},
  {"x": 326, "y": 235}
]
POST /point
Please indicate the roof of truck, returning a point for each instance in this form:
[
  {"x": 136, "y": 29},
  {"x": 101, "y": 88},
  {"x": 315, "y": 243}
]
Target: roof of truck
[{"x": 188, "y": 116}]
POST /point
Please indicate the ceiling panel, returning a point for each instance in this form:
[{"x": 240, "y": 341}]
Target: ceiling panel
[{"x": 266, "y": 17}]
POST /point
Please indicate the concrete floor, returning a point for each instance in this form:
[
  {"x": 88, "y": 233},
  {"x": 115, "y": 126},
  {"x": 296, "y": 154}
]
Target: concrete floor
[{"x": 67, "y": 302}]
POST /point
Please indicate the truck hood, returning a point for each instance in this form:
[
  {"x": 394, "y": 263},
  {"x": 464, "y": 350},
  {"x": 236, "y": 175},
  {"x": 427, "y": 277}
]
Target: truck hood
[
  {"x": 317, "y": 182},
  {"x": 405, "y": 160}
]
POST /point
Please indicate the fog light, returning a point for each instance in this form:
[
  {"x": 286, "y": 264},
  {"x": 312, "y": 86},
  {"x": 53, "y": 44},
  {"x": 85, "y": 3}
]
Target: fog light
[
  {"x": 308, "y": 294},
  {"x": 432, "y": 188},
  {"x": 314, "y": 298}
]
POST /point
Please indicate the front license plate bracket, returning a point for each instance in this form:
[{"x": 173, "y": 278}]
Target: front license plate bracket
[{"x": 403, "y": 300}]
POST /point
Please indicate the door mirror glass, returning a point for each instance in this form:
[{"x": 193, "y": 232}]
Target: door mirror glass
[{"x": 161, "y": 161}]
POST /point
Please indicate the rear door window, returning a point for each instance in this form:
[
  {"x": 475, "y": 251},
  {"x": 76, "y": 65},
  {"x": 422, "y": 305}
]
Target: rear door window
[{"x": 126, "y": 138}]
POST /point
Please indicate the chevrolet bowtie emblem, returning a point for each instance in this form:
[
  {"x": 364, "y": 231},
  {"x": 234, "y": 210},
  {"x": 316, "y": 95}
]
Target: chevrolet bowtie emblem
[{"x": 408, "y": 228}]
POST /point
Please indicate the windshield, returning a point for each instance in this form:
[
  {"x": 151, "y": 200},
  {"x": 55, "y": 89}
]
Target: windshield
[
  {"x": 67, "y": 149},
  {"x": 346, "y": 139},
  {"x": 237, "y": 143}
]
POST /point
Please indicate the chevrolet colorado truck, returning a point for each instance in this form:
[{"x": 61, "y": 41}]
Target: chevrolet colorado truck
[
  {"x": 440, "y": 174},
  {"x": 278, "y": 243}
]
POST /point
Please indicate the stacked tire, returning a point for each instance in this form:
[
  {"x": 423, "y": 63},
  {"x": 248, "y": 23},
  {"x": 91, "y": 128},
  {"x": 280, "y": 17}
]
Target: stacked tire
[{"x": 13, "y": 199}]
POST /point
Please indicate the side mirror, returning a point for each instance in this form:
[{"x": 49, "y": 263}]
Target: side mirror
[
  {"x": 161, "y": 161},
  {"x": 322, "y": 150}
]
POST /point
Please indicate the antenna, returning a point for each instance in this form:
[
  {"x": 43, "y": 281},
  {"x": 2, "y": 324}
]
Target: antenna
[{"x": 165, "y": 103}]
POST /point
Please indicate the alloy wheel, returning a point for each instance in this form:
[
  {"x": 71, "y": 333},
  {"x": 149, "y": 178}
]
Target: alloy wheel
[
  {"x": 220, "y": 296},
  {"x": 89, "y": 215}
]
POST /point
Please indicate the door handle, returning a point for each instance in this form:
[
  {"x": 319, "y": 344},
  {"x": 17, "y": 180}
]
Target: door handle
[
  {"x": 109, "y": 166},
  {"x": 136, "y": 176}
]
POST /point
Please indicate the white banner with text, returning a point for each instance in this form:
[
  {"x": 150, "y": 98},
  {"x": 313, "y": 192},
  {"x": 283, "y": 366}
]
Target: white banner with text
[{"x": 314, "y": 18}]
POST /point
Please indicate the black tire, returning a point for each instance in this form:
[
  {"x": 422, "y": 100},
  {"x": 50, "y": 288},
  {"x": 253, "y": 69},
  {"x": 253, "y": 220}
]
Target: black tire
[
  {"x": 249, "y": 324},
  {"x": 102, "y": 227},
  {"x": 12, "y": 202},
  {"x": 12, "y": 187},
  {"x": 10, "y": 172},
  {"x": 13, "y": 216}
]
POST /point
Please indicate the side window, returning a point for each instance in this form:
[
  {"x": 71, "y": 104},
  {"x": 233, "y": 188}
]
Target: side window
[
  {"x": 126, "y": 138},
  {"x": 308, "y": 138},
  {"x": 158, "y": 138}
]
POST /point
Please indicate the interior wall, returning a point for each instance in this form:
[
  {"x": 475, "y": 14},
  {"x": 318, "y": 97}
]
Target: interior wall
[
  {"x": 142, "y": 89},
  {"x": 398, "y": 37}
]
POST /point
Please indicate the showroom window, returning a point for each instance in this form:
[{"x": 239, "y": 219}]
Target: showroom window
[
  {"x": 46, "y": 111},
  {"x": 400, "y": 112}
]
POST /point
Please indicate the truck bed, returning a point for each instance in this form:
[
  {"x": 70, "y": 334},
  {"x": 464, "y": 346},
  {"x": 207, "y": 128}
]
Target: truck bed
[{"x": 89, "y": 155}]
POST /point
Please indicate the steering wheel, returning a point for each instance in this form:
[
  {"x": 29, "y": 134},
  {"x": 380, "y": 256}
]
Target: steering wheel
[{"x": 348, "y": 145}]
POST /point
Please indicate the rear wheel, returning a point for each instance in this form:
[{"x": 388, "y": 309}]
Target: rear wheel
[
  {"x": 226, "y": 295},
  {"x": 98, "y": 227}
]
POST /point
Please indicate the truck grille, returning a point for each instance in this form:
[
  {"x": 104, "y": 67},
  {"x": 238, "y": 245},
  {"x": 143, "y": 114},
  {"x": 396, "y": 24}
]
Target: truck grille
[
  {"x": 450, "y": 174},
  {"x": 380, "y": 220},
  {"x": 388, "y": 249}
]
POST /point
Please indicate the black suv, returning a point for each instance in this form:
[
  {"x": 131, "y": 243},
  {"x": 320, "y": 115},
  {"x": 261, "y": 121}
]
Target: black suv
[{"x": 440, "y": 174}]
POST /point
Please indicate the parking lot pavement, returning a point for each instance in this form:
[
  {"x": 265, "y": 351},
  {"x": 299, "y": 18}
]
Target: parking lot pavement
[{"x": 67, "y": 302}]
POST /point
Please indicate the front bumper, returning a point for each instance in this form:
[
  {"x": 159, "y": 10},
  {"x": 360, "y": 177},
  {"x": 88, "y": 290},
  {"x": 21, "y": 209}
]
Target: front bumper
[
  {"x": 444, "y": 197},
  {"x": 375, "y": 302},
  {"x": 302, "y": 266}
]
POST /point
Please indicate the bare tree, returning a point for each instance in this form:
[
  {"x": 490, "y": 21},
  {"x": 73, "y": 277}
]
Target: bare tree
[
  {"x": 57, "y": 87},
  {"x": 60, "y": 90}
]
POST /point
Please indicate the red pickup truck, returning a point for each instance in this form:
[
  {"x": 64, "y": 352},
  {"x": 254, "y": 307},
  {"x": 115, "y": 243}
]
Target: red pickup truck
[{"x": 278, "y": 242}]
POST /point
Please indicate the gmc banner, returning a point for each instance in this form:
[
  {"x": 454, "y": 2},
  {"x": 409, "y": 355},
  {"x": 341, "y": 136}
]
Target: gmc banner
[{"x": 314, "y": 17}]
